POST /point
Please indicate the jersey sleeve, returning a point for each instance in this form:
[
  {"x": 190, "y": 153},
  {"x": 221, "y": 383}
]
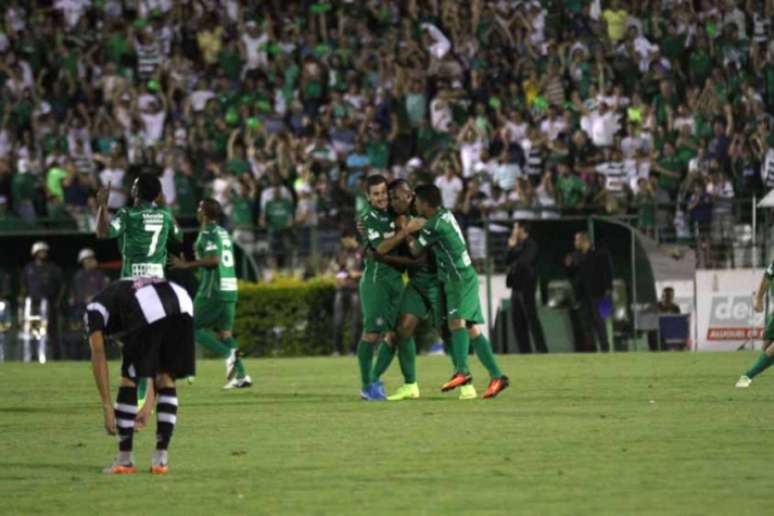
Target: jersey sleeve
[
  {"x": 174, "y": 229},
  {"x": 373, "y": 233},
  {"x": 118, "y": 224},
  {"x": 96, "y": 317}
]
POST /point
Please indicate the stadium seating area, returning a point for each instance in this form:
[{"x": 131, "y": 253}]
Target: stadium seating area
[{"x": 515, "y": 109}]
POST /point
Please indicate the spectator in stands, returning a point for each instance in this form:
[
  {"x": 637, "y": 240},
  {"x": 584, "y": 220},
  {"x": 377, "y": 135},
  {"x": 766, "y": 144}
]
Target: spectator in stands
[
  {"x": 591, "y": 273},
  {"x": 522, "y": 279}
]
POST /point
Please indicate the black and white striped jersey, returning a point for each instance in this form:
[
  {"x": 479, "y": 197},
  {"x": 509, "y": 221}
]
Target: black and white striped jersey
[{"x": 129, "y": 305}]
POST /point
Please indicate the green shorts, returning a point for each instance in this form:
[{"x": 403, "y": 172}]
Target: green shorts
[
  {"x": 422, "y": 302},
  {"x": 462, "y": 300},
  {"x": 380, "y": 302},
  {"x": 214, "y": 314},
  {"x": 768, "y": 332}
]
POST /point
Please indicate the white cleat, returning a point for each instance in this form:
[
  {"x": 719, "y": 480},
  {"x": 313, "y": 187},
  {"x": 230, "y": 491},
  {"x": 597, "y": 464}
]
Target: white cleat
[
  {"x": 239, "y": 383},
  {"x": 743, "y": 382},
  {"x": 231, "y": 365}
]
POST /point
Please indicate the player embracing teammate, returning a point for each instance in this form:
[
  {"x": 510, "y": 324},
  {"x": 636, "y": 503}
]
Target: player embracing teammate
[{"x": 439, "y": 233}]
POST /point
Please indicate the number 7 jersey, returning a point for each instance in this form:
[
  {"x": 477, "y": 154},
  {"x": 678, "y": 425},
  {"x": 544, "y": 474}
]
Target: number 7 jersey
[
  {"x": 143, "y": 231},
  {"x": 217, "y": 282}
]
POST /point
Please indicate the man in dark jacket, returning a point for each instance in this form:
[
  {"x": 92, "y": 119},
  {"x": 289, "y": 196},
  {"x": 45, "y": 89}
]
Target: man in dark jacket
[
  {"x": 522, "y": 280},
  {"x": 591, "y": 273}
]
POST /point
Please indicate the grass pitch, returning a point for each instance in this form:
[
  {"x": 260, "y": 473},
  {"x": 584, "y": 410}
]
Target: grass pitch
[{"x": 595, "y": 434}]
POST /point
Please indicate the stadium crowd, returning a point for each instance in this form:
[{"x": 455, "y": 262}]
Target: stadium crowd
[{"x": 515, "y": 109}]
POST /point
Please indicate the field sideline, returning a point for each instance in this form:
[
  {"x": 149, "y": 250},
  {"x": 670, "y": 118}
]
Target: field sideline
[{"x": 575, "y": 434}]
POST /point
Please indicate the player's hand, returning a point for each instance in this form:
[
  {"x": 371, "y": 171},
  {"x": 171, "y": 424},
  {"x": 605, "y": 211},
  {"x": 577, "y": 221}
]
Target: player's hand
[
  {"x": 110, "y": 420},
  {"x": 415, "y": 225},
  {"x": 102, "y": 196},
  {"x": 176, "y": 262},
  {"x": 142, "y": 417},
  {"x": 758, "y": 305},
  {"x": 401, "y": 221}
]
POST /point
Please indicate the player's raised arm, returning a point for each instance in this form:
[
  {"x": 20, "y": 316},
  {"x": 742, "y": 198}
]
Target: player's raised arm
[{"x": 103, "y": 224}]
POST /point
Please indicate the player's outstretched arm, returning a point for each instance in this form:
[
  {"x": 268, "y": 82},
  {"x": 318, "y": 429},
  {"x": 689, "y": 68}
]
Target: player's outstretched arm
[
  {"x": 100, "y": 371},
  {"x": 210, "y": 261},
  {"x": 103, "y": 225}
]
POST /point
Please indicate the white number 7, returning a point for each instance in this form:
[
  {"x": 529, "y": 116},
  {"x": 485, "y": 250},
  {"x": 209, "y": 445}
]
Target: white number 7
[{"x": 156, "y": 230}]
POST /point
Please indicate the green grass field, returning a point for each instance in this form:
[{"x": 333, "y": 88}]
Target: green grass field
[{"x": 612, "y": 434}]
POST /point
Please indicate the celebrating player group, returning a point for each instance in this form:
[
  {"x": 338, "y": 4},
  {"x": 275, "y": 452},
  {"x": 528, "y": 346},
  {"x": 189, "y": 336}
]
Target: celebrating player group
[{"x": 443, "y": 285}]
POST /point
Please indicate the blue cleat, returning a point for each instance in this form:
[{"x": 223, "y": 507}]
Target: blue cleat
[{"x": 373, "y": 392}]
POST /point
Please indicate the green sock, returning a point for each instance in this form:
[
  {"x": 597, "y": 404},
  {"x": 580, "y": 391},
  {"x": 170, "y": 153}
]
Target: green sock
[
  {"x": 208, "y": 339},
  {"x": 485, "y": 354},
  {"x": 460, "y": 349},
  {"x": 383, "y": 360},
  {"x": 407, "y": 357},
  {"x": 761, "y": 364},
  {"x": 142, "y": 388},
  {"x": 232, "y": 343},
  {"x": 365, "y": 355}
]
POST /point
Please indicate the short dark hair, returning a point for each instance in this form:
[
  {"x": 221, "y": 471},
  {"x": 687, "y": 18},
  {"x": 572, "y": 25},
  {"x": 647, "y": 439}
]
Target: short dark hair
[
  {"x": 374, "y": 180},
  {"x": 397, "y": 183},
  {"x": 429, "y": 194},
  {"x": 148, "y": 187},
  {"x": 212, "y": 208},
  {"x": 526, "y": 226}
]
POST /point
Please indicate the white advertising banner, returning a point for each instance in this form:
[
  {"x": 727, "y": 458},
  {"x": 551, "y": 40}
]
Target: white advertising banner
[{"x": 724, "y": 309}]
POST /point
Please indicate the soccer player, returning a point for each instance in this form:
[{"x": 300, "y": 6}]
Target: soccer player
[
  {"x": 766, "y": 358},
  {"x": 420, "y": 299},
  {"x": 381, "y": 286},
  {"x": 215, "y": 301},
  {"x": 143, "y": 231},
  {"x": 459, "y": 280},
  {"x": 153, "y": 319}
]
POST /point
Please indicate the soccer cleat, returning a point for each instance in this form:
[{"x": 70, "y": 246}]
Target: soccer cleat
[
  {"x": 496, "y": 386},
  {"x": 121, "y": 467},
  {"x": 159, "y": 465},
  {"x": 457, "y": 380},
  {"x": 743, "y": 382},
  {"x": 468, "y": 392},
  {"x": 231, "y": 362},
  {"x": 373, "y": 392},
  {"x": 407, "y": 391},
  {"x": 239, "y": 383}
]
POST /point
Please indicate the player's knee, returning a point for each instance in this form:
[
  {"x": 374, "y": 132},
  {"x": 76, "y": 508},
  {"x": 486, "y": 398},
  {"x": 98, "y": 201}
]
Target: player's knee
[
  {"x": 406, "y": 328},
  {"x": 473, "y": 331},
  {"x": 371, "y": 338},
  {"x": 224, "y": 334},
  {"x": 456, "y": 324},
  {"x": 164, "y": 380},
  {"x": 127, "y": 382}
]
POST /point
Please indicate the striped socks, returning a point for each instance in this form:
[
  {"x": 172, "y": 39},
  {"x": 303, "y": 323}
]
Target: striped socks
[
  {"x": 125, "y": 412},
  {"x": 166, "y": 416}
]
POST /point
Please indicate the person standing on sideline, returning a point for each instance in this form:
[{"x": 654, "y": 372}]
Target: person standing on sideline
[
  {"x": 592, "y": 277},
  {"x": 522, "y": 280}
]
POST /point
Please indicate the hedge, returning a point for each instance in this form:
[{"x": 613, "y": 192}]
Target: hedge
[{"x": 285, "y": 317}]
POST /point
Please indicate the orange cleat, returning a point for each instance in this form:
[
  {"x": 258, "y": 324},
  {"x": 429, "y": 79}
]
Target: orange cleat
[
  {"x": 457, "y": 380},
  {"x": 496, "y": 386},
  {"x": 160, "y": 470},
  {"x": 120, "y": 469}
]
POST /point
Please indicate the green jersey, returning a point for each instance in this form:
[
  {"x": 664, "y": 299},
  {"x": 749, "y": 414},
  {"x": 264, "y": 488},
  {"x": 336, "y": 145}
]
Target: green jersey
[
  {"x": 279, "y": 214},
  {"x": 379, "y": 225},
  {"x": 142, "y": 233},
  {"x": 451, "y": 254},
  {"x": 218, "y": 282}
]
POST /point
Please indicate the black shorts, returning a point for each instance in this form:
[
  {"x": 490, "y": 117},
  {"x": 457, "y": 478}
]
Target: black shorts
[{"x": 166, "y": 346}]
